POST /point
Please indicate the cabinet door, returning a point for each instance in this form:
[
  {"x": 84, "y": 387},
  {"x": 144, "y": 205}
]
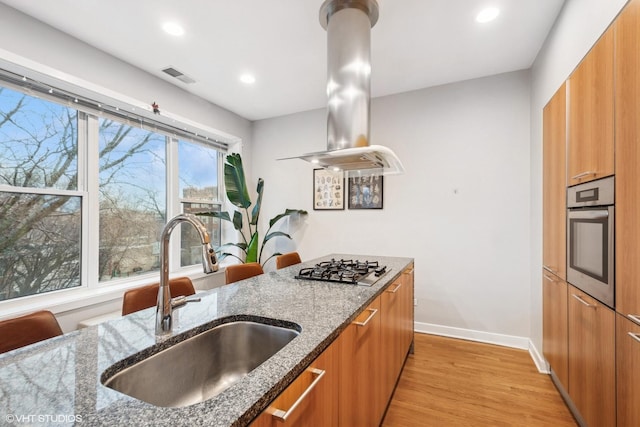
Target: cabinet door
[
  {"x": 592, "y": 359},
  {"x": 407, "y": 313},
  {"x": 391, "y": 339},
  {"x": 591, "y": 114},
  {"x": 360, "y": 373},
  {"x": 554, "y": 178},
  {"x": 627, "y": 72},
  {"x": 628, "y": 371},
  {"x": 310, "y": 399},
  {"x": 555, "y": 337}
]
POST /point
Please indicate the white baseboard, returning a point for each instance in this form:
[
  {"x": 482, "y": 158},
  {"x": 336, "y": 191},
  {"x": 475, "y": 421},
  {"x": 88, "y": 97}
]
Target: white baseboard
[
  {"x": 522, "y": 343},
  {"x": 538, "y": 359}
]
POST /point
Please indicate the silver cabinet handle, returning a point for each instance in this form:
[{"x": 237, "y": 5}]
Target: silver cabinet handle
[
  {"x": 550, "y": 270},
  {"x": 581, "y": 174},
  {"x": 583, "y": 301},
  {"x": 548, "y": 278},
  {"x": 282, "y": 415},
  {"x": 634, "y": 336},
  {"x": 373, "y": 313},
  {"x": 409, "y": 272},
  {"x": 634, "y": 317},
  {"x": 398, "y": 286}
]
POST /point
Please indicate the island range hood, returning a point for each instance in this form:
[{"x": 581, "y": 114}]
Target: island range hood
[{"x": 348, "y": 24}]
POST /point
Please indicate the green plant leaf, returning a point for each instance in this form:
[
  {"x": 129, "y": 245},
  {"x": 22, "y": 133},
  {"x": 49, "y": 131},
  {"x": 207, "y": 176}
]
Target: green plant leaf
[
  {"x": 237, "y": 220},
  {"x": 252, "y": 250},
  {"x": 242, "y": 246},
  {"x": 255, "y": 213},
  {"x": 222, "y": 215},
  {"x": 274, "y": 234},
  {"x": 235, "y": 182},
  {"x": 284, "y": 214},
  {"x": 227, "y": 254}
]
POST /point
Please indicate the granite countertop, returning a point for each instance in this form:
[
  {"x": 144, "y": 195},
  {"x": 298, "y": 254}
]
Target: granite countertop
[{"x": 57, "y": 381}]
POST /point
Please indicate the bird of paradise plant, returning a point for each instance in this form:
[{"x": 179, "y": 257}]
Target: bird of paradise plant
[{"x": 238, "y": 195}]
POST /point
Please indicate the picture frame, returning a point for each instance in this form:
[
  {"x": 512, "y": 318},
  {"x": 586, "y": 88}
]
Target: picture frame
[
  {"x": 328, "y": 189},
  {"x": 366, "y": 192}
]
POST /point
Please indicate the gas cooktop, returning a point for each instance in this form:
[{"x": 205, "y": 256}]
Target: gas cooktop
[{"x": 351, "y": 272}]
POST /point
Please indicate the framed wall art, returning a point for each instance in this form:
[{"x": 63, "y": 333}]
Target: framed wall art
[
  {"x": 365, "y": 192},
  {"x": 328, "y": 189}
]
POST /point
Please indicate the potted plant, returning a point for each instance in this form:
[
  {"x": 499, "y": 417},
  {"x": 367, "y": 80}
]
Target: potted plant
[{"x": 238, "y": 195}]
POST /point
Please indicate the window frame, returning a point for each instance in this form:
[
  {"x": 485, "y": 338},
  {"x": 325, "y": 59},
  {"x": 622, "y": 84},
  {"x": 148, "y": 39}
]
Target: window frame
[{"x": 91, "y": 290}]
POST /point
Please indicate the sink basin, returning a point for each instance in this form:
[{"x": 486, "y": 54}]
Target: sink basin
[{"x": 202, "y": 366}]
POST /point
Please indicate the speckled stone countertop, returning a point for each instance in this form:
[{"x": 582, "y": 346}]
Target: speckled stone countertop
[{"x": 57, "y": 382}]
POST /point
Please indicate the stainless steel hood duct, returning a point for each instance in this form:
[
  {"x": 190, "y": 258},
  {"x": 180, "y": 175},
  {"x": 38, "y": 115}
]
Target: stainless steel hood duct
[{"x": 348, "y": 24}]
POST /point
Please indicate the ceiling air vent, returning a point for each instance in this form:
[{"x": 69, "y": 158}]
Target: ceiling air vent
[{"x": 178, "y": 75}]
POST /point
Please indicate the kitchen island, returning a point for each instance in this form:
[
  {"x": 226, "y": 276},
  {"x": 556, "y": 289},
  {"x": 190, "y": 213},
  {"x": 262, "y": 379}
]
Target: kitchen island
[{"x": 59, "y": 381}]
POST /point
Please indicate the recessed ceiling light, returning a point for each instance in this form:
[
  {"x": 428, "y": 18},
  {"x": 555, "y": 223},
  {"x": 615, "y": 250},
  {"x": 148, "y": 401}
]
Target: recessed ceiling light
[
  {"x": 247, "y": 79},
  {"x": 173, "y": 28},
  {"x": 488, "y": 14}
]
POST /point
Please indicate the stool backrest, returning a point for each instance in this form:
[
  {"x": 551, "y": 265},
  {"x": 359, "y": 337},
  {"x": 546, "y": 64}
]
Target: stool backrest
[{"x": 24, "y": 330}]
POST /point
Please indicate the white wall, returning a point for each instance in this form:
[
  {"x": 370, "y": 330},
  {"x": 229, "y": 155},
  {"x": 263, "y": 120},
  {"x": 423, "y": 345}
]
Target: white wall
[
  {"x": 579, "y": 25},
  {"x": 461, "y": 209}
]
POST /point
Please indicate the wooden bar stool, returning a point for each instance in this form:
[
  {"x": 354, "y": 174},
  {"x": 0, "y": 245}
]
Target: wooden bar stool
[
  {"x": 147, "y": 296},
  {"x": 24, "y": 330},
  {"x": 236, "y": 272},
  {"x": 285, "y": 260}
]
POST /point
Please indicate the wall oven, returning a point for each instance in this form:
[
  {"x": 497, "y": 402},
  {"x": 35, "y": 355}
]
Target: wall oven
[{"x": 590, "y": 235}]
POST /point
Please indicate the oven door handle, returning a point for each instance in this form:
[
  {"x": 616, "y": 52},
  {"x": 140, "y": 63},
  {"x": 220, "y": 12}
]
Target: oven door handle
[{"x": 590, "y": 214}]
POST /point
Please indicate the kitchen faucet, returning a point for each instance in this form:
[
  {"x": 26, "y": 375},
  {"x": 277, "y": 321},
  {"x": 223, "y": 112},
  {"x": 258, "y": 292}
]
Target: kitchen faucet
[{"x": 166, "y": 304}]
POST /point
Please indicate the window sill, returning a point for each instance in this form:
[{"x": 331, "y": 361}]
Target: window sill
[{"x": 79, "y": 298}]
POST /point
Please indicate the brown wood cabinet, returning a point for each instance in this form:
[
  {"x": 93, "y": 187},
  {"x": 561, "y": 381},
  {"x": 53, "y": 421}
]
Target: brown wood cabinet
[
  {"x": 555, "y": 341},
  {"x": 554, "y": 181},
  {"x": 407, "y": 314},
  {"x": 628, "y": 371},
  {"x": 627, "y": 127},
  {"x": 310, "y": 399},
  {"x": 360, "y": 370},
  {"x": 591, "y": 143},
  {"x": 353, "y": 380},
  {"x": 391, "y": 339},
  {"x": 592, "y": 359}
]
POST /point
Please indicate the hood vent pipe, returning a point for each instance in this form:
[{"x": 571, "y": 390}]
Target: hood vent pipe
[{"x": 348, "y": 24}]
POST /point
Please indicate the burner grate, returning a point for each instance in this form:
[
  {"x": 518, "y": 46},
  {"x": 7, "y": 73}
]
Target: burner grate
[{"x": 341, "y": 271}]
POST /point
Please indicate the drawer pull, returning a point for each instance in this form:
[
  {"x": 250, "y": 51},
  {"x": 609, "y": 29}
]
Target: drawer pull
[
  {"x": 373, "y": 313},
  {"x": 409, "y": 272},
  {"x": 634, "y": 317},
  {"x": 548, "y": 278},
  {"x": 282, "y": 415},
  {"x": 634, "y": 336},
  {"x": 583, "y": 174},
  {"x": 398, "y": 286},
  {"x": 550, "y": 270},
  {"x": 583, "y": 301}
]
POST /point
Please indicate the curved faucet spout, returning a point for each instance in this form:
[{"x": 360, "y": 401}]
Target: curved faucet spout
[{"x": 165, "y": 304}]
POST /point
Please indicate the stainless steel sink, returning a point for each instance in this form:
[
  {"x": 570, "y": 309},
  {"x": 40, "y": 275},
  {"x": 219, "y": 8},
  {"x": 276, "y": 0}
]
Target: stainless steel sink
[{"x": 202, "y": 366}]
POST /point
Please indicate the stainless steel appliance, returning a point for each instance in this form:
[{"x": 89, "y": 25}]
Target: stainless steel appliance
[
  {"x": 348, "y": 24},
  {"x": 590, "y": 238},
  {"x": 364, "y": 273}
]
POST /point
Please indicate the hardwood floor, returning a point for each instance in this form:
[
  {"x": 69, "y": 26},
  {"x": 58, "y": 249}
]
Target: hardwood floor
[{"x": 451, "y": 382}]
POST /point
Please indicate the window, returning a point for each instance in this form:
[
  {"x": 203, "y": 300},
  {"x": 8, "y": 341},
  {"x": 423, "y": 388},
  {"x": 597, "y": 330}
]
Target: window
[
  {"x": 40, "y": 213},
  {"x": 133, "y": 172},
  {"x": 50, "y": 193},
  {"x": 198, "y": 184}
]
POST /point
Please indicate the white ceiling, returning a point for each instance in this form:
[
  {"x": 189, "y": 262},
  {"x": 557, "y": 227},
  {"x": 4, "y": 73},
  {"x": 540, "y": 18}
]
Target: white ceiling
[{"x": 415, "y": 44}]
